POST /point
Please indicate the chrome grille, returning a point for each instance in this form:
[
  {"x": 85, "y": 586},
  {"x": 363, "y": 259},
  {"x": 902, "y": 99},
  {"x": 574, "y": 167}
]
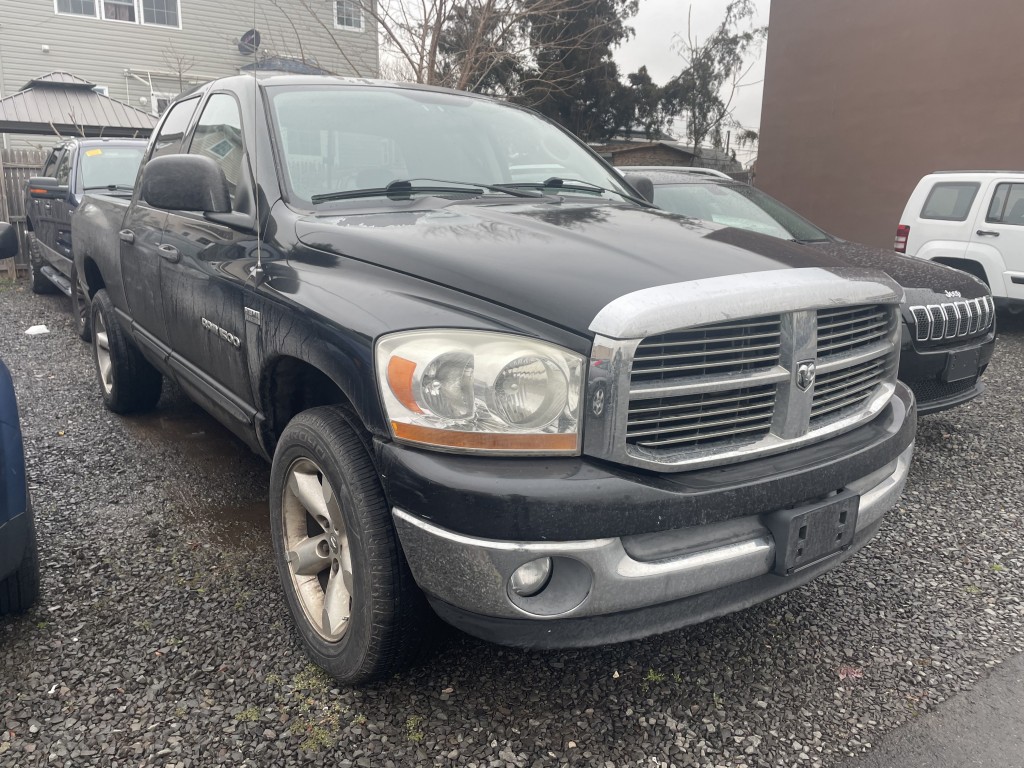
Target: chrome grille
[
  {"x": 710, "y": 350},
  {"x": 837, "y": 392},
  {"x": 953, "y": 320},
  {"x": 701, "y": 419},
  {"x": 847, "y": 329}
]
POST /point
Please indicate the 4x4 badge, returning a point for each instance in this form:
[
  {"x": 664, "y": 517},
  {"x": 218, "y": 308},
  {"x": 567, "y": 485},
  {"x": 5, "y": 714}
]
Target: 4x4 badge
[{"x": 805, "y": 375}]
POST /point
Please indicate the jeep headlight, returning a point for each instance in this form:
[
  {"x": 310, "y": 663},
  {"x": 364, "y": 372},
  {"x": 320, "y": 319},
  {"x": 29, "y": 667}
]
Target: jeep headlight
[{"x": 480, "y": 391}]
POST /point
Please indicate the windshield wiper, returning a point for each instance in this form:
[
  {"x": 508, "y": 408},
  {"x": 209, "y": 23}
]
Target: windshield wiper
[
  {"x": 401, "y": 189},
  {"x": 579, "y": 185},
  {"x": 111, "y": 187}
]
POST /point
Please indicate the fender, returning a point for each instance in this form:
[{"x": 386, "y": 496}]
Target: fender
[{"x": 983, "y": 254}]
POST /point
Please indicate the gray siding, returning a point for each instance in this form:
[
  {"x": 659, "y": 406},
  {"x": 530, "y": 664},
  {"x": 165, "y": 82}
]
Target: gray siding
[{"x": 100, "y": 50}]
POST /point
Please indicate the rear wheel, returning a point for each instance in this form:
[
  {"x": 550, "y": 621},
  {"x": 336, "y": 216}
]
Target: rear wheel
[
  {"x": 346, "y": 582},
  {"x": 20, "y": 590},
  {"x": 127, "y": 381},
  {"x": 40, "y": 282}
]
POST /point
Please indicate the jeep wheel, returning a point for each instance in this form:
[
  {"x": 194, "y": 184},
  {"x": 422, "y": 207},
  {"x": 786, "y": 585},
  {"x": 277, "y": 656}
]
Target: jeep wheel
[
  {"x": 80, "y": 308},
  {"x": 20, "y": 590},
  {"x": 127, "y": 381},
  {"x": 40, "y": 282},
  {"x": 349, "y": 589}
]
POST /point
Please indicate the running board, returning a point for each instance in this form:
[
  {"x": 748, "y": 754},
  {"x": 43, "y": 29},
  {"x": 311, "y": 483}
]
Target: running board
[{"x": 57, "y": 279}]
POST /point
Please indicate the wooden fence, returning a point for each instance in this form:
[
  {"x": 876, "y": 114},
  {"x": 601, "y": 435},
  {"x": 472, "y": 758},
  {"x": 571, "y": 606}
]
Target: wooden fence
[{"x": 16, "y": 167}]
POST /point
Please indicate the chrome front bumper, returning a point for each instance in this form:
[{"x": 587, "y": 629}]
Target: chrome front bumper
[{"x": 605, "y": 576}]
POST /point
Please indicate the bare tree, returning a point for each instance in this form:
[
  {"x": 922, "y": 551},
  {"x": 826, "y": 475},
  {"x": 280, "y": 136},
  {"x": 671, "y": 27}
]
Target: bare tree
[{"x": 179, "y": 64}]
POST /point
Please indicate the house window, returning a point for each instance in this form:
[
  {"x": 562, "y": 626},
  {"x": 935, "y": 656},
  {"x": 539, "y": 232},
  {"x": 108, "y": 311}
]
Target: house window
[
  {"x": 161, "y": 12},
  {"x": 77, "y": 7},
  {"x": 348, "y": 14},
  {"x": 119, "y": 10}
]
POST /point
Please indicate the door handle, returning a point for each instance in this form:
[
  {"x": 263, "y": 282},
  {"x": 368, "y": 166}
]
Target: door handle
[
  {"x": 987, "y": 233},
  {"x": 127, "y": 236},
  {"x": 170, "y": 253}
]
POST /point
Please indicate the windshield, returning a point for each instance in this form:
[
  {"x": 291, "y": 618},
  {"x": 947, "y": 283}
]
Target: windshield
[
  {"x": 104, "y": 167},
  {"x": 736, "y": 205},
  {"x": 341, "y": 138}
]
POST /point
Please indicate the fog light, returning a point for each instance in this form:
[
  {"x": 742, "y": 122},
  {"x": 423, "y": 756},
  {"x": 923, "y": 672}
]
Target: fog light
[{"x": 531, "y": 578}]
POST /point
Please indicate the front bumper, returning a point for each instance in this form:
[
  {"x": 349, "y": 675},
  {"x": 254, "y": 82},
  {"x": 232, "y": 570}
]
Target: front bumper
[
  {"x": 639, "y": 576},
  {"x": 937, "y": 383}
]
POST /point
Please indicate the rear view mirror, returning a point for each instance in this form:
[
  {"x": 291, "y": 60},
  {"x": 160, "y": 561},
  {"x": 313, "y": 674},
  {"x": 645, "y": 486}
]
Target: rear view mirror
[
  {"x": 46, "y": 188},
  {"x": 8, "y": 241},
  {"x": 186, "y": 183},
  {"x": 641, "y": 184}
]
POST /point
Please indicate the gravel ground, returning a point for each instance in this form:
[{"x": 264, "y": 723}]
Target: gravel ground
[{"x": 162, "y": 638}]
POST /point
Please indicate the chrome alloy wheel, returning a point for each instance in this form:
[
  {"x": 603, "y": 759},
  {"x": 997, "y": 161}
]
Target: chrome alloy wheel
[
  {"x": 102, "y": 346},
  {"x": 317, "y": 549}
]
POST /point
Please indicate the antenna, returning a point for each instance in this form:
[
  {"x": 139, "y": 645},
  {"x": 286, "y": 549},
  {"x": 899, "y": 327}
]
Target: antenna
[{"x": 257, "y": 272}]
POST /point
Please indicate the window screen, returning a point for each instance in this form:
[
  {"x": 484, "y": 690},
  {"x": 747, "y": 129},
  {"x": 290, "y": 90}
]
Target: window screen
[
  {"x": 1007, "y": 205},
  {"x": 168, "y": 141},
  {"x": 162, "y": 12},
  {"x": 950, "y": 201},
  {"x": 119, "y": 10},
  {"x": 77, "y": 7},
  {"x": 348, "y": 14}
]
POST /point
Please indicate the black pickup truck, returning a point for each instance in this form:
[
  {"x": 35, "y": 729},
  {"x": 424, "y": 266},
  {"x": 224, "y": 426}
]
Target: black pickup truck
[
  {"x": 71, "y": 169},
  {"x": 491, "y": 380}
]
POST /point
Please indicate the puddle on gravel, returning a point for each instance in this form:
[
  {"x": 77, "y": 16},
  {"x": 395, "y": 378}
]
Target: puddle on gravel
[
  {"x": 245, "y": 526},
  {"x": 181, "y": 422}
]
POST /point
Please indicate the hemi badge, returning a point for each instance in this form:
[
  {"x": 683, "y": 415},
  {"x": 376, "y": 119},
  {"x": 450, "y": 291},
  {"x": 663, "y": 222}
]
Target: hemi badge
[{"x": 252, "y": 316}]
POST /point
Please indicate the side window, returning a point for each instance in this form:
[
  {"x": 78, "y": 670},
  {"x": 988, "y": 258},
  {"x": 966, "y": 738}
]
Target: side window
[
  {"x": 950, "y": 201},
  {"x": 172, "y": 130},
  {"x": 63, "y": 172},
  {"x": 1007, "y": 205},
  {"x": 50, "y": 168},
  {"x": 218, "y": 135}
]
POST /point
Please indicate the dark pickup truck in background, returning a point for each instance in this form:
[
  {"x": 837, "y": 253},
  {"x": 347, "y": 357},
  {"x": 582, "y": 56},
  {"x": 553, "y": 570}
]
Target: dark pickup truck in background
[
  {"x": 489, "y": 378},
  {"x": 71, "y": 169}
]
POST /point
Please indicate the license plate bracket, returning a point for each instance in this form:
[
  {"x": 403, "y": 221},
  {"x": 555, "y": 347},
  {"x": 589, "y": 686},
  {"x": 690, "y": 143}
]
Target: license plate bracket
[
  {"x": 806, "y": 535},
  {"x": 961, "y": 364}
]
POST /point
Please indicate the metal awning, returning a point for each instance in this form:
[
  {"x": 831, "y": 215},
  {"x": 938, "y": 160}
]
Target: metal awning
[{"x": 65, "y": 104}]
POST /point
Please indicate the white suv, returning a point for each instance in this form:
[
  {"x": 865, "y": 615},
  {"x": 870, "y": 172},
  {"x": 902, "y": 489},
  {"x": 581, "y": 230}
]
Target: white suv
[{"x": 974, "y": 221}]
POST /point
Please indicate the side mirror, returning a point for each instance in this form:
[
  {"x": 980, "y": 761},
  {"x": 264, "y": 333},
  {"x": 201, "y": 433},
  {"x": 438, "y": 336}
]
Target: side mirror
[
  {"x": 641, "y": 184},
  {"x": 185, "y": 183},
  {"x": 46, "y": 188},
  {"x": 8, "y": 241}
]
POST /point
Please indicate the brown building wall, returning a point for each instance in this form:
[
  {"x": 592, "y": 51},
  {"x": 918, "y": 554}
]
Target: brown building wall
[{"x": 864, "y": 97}]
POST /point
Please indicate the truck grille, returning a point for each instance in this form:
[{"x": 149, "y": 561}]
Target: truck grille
[
  {"x": 701, "y": 419},
  {"x": 845, "y": 389},
  {"x": 716, "y": 349},
  {"x": 726, "y": 391},
  {"x": 850, "y": 328},
  {"x": 953, "y": 320}
]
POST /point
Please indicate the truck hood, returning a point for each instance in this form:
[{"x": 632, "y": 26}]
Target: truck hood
[
  {"x": 560, "y": 262},
  {"x": 925, "y": 281}
]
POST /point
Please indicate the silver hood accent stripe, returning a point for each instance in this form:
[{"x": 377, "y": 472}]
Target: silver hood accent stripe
[{"x": 665, "y": 308}]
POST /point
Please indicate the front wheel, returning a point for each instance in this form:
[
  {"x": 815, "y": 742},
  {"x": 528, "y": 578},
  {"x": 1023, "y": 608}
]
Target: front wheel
[
  {"x": 40, "y": 282},
  {"x": 127, "y": 381},
  {"x": 80, "y": 308},
  {"x": 346, "y": 582}
]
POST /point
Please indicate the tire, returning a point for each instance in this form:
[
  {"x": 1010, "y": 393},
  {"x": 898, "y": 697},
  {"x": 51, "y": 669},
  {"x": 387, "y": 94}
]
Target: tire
[
  {"x": 127, "y": 381},
  {"x": 40, "y": 282},
  {"x": 20, "y": 590},
  {"x": 80, "y": 308},
  {"x": 379, "y": 622}
]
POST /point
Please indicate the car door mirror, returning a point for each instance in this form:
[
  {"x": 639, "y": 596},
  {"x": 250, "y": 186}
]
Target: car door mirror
[
  {"x": 47, "y": 188},
  {"x": 8, "y": 241},
  {"x": 641, "y": 184},
  {"x": 186, "y": 183}
]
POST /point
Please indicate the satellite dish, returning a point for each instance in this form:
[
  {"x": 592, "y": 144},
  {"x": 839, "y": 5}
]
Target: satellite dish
[{"x": 249, "y": 43}]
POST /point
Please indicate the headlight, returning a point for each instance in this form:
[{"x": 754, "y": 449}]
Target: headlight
[{"x": 480, "y": 391}]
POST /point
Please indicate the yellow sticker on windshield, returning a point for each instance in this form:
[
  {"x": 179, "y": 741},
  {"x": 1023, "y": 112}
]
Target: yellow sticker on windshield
[{"x": 93, "y": 152}]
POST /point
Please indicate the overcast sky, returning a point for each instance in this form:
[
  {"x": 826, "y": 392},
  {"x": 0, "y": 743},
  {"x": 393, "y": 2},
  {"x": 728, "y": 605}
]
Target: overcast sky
[{"x": 657, "y": 24}]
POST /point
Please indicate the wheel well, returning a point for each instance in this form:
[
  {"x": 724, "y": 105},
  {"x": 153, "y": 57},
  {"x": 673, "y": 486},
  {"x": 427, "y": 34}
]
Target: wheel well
[
  {"x": 288, "y": 387},
  {"x": 966, "y": 265},
  {"x": 93, "y": 277}
]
